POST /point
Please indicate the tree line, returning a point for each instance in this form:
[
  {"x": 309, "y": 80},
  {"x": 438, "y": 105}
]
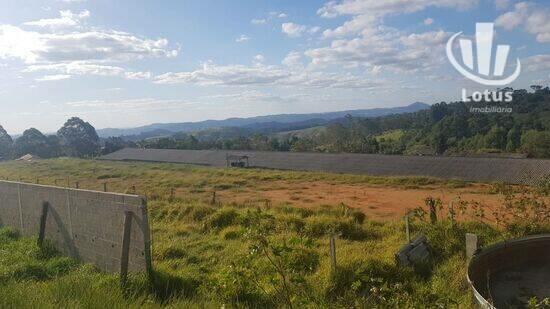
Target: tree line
[
  {"x": 76, "y": 138},
  {"x": 444, "y": 129}
]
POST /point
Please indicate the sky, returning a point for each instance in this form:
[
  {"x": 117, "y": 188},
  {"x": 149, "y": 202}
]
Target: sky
[{"x": 126, "y": 63}]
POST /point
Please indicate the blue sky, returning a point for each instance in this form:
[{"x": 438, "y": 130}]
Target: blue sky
[{"x": 130, "y": 63}]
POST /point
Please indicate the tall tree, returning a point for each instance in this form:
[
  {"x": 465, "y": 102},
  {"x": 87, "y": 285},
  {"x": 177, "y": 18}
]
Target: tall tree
[
  {"x": 33, "y": 142},
  {"x": 78, "y": 138},
  {"x": 6, "y": 144}
]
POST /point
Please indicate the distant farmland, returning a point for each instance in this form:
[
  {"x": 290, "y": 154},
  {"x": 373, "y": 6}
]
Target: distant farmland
[{"x": 515, "y": 171}]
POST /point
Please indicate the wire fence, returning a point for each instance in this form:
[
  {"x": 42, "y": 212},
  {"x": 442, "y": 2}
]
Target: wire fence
[{"x": 125, "y": 187}]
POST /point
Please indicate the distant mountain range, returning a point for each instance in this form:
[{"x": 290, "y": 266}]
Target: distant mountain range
[{"x": 261, "y": 123}]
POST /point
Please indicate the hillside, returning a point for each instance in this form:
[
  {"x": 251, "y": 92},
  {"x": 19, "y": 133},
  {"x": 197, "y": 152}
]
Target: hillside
[
  {"x": 454, "y": 128},
  {"x": 161, "y": 129}
]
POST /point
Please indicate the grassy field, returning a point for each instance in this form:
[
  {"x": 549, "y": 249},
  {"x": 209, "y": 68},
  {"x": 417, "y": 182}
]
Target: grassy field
[{"x": 258, "y": 253}]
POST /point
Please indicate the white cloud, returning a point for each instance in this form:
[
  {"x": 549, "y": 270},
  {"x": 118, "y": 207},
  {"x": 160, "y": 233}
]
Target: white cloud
[
  {"x": 258, "y": 21},
  {"x": 357, "y": 25},
  {"x": 83, "y": 68},
  {"x": 240, "y": 75},
  {"x": 242, "y": 38},
  {"x": 534, "y": 19},
  {"x": 251, "y": 96},
  {"x": 537, "y": 63},
  {"x": 17, "y": 43},
  {"x": 367, "y": 15},
  {"x": 137, "y": 75},
  {"x": 364, "y": 41},
  {"x": 502, "y": 4},
  {"x": 211, "y": 74},
  {"x": 93, "y": 45},
  {"x": 67, "y": 19},
  {"x": 381, "y": 8},
  {"x": 293, "y": 59},
  {"x": 314, "y": 30},
  {"x": 258, "y": 59},
  {"x": 77, "y": 68},
  {"x": 48, "y": 78},
  {"x": 142, "y": 104},
  {"x": 387, "y": 49},
  {"x": 293, "y": 30},
  {"x": 274, "y": 14}
]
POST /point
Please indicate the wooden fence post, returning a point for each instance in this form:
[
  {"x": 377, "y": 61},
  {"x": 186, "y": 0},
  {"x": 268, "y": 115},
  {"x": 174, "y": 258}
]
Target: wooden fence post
[
  {"x": 333, "y": 253},
  {"x": 125, "y": 254},
  {"x": 77, "y": 185},
  {"x": 133, "y": 189},
  {"x": 407, "y": 228},
  {"x": 213, "y": 202},
  {"x": 104, "y": 187},
  {"x": 43, "y": 217}
]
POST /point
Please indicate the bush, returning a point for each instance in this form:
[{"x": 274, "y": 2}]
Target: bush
[
  {"x": 222, "y": 218},
  {"x": 358, "y": 216},
  {"x": 304, "y": 260},
  {"x": 8, "y": 234},
  {"x": 198, "y": 213},
  {"x": 171, "y": 253},
  {"x": 291, "y": 222},
  {"x": 347, "y": 228},
  {"x": 232, "y": 232},
  {"x": 167, "y": 286},
  {"x": 375, "y": 283},
  {"x": 543, "y": 186}
]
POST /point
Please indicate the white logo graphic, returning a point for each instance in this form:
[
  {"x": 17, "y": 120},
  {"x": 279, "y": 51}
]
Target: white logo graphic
[{"x": 484, "y": 46}]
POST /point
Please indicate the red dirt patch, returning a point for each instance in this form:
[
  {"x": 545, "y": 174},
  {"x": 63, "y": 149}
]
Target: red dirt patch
[{"x": 375, "y": 201}]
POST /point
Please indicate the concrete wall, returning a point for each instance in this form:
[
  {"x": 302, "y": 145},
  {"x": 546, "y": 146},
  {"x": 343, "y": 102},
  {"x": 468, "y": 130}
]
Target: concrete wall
[
  {"x": 86, "y": 225},
  {"x": 516, "y": 171}
]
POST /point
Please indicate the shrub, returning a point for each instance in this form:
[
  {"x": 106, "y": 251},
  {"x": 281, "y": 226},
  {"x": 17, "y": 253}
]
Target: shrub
[
  {"x": 347, "y": 228},
  {"x": 167, "y": 286},
  {"x": 222, "y": 218},
  {"x": 304, "y": 260},
  {"x": 198, "y": 213},
  {"x": 358, "y": 216},
  {"x": 543, "y": 186},
  {"x": 8, "y": 234},
  {"x": 171, "y": 253},
  {"x": 232, "y": 232},
  {"x": 291, "y": 222},
  {"x": 373, "y": 282}
]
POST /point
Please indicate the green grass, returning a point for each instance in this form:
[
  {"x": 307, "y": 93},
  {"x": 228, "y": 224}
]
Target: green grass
[{"x": 237, "y": 255}]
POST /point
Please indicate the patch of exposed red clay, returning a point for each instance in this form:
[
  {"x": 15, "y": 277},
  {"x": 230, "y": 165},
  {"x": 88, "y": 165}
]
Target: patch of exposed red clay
[{"x": 376, "y": 201}]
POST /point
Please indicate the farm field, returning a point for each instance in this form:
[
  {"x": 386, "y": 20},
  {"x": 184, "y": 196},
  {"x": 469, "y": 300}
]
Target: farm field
[{"x": 262, "y": 239}]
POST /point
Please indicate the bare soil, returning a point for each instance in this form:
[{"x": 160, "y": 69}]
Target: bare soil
[{"x": 377, "y": 202}]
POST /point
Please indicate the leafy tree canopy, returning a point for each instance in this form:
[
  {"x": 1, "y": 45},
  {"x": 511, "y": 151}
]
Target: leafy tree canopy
[{"x": 78, "y": 138}]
